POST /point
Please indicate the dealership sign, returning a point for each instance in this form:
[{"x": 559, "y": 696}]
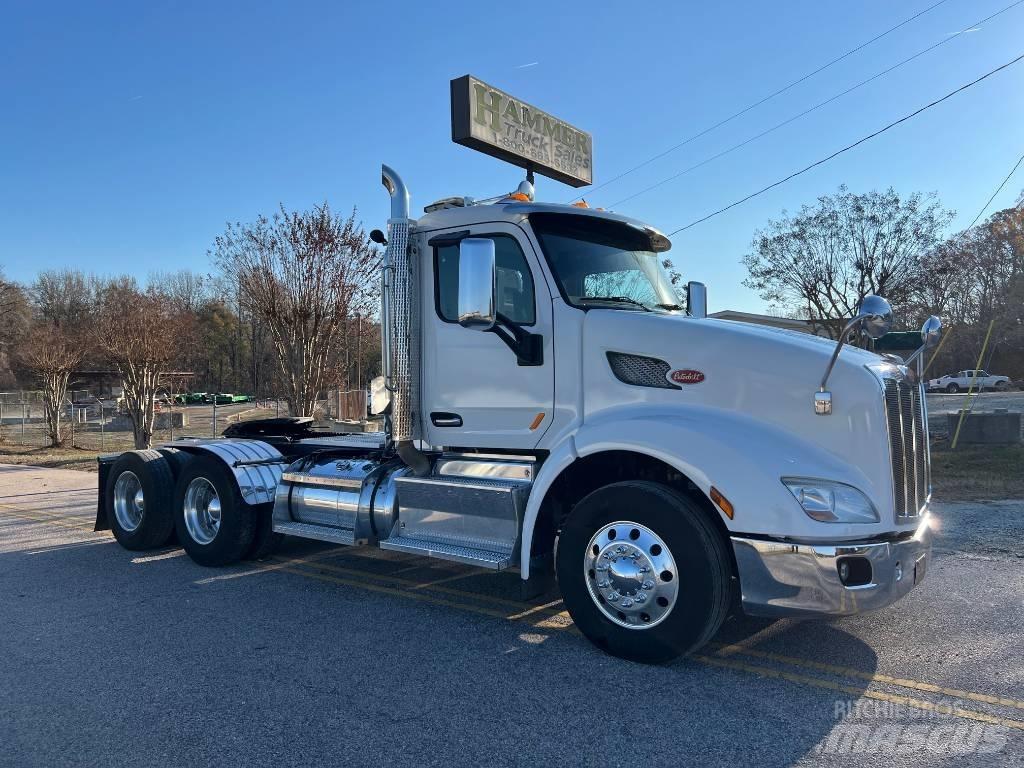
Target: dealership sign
[{"x": 493, "y": 122}]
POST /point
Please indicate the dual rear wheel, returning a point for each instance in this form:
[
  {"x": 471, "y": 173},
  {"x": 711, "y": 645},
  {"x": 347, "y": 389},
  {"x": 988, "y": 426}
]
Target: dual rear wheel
[{"x": 153, "y": 496}]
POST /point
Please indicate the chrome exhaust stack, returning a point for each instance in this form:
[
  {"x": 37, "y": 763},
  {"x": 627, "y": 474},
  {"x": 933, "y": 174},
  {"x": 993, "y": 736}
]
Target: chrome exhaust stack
[{"x": 400, "y": 333}]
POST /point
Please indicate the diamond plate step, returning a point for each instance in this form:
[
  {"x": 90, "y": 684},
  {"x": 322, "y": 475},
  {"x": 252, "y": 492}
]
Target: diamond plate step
[
  {"x": 481, "y": 558},
  {"x": 318, "y": 532}
]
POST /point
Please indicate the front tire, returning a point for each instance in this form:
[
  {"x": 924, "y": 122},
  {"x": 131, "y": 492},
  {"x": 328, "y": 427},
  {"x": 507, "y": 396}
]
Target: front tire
[
  {"x": 1002, "y": 386},
  {"x": 214, "y": 525},
  {"x": 953, "y": 389},
  {"x": 643, "y": 571}
]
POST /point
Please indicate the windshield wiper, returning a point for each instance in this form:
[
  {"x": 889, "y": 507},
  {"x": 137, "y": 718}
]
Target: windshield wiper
[
  {"x": 668, "y": 306},
  {"x": 617, "y": 299}
]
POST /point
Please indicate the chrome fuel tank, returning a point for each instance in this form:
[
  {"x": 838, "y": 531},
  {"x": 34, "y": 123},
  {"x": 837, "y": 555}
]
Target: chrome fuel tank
[{"x": 340, "y": 494}]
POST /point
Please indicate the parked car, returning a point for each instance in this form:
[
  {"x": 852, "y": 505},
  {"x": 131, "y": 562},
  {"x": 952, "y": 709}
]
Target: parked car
[{"x": 964, "y": 380}]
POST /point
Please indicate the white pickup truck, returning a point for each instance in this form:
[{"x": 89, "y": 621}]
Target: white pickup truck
[{"x": 964, "y": 380}]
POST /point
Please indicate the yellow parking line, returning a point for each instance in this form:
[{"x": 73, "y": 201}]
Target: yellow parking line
[
  {"x": 874, "y": 677},
  {"x": 492, "y": 612},
  {"x": 45, "y": 519},
  {"x": 867, "y": 692},
  {"x": 276, "y": 565},
  {"x": 445, "y": 580},
  {"x": 411, "y": 583},
  {"x": 547, "y": 619}
]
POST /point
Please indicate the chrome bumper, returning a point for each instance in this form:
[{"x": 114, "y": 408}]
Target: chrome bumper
[{"x": 793, "y": 579}]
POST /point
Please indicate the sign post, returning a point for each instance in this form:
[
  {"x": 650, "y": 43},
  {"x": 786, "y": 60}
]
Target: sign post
[{"x": 498, "y": 124}]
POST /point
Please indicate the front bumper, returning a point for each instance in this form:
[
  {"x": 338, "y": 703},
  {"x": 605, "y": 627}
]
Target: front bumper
[{"x": 793, "y": 579}]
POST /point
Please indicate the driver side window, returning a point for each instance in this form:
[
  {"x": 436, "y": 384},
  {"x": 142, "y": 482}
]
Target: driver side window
[{"x": 513, "y": 281}]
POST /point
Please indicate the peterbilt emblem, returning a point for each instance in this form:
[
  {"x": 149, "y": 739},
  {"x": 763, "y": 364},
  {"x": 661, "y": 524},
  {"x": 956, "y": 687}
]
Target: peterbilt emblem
[{"x": 687, "y": 376}]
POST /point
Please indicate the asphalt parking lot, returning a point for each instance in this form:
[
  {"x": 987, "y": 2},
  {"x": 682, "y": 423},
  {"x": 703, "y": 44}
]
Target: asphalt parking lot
[{"x": 331, "y": 655}]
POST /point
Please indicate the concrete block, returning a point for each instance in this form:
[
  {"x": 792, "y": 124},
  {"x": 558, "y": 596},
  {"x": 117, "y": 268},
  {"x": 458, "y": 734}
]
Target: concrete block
[{"x": 1001, "y": 427}]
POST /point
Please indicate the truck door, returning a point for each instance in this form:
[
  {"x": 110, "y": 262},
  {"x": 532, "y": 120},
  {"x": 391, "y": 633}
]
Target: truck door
[{"x": 475, "y": 393}]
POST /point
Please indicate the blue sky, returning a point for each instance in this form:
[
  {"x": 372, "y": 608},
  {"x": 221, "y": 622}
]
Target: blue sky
[{"x": 132, "y": 132}]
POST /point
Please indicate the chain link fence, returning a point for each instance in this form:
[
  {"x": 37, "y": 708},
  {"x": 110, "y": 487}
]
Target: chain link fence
[{"x": 100, "y": 425}]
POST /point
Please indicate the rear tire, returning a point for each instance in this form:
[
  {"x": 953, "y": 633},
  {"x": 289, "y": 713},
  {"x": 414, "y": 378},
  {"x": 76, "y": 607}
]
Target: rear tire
[
  {"x": 215, "y": 526},
  {"x": 666, "y": 533},
  {"x": 138, "y": 500}
]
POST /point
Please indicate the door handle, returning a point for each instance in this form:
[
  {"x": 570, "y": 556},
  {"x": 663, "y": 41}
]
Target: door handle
[{"x": 443, "y": 419}]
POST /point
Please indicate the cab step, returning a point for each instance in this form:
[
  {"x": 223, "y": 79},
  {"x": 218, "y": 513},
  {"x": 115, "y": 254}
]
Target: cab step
[
  {"x": 464, "y": 519},
  {"x": 318, "y": 532},
  {"x": 481, "y": 558}
]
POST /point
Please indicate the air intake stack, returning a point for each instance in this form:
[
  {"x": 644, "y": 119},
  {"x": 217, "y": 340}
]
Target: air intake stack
[{"x": 400, "y": 332}]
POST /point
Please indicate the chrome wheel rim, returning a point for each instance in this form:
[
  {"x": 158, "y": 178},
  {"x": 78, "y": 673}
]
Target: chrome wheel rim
[
  {"x": 202, "y": 510},
  {"x": 631, "y": 575},
  {"x": 129, "y": 501}
]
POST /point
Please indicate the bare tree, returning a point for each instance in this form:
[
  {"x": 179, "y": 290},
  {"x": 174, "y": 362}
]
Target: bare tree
[
  {"x": 64, "y": 297},
  {"x": 50, "y": 353},
  {"x": 14, "y": 319},
  {"x": 141, "y": 332},
  {"x": 188, "y": 290},
  {"x": 303, "y": 274},
  {"x": 823, "y": 260}
]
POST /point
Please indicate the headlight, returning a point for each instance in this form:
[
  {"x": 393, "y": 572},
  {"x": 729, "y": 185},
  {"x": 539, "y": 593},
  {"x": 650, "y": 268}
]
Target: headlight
[{"x": 830, "y": 502}]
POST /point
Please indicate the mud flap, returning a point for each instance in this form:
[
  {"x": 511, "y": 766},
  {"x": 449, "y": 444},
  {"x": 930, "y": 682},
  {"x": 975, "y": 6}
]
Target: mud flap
[{"x": 105, "y": 463}]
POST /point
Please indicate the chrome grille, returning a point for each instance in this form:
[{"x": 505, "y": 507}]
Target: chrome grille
[
  {"x": 908, "y": 446},
  {"x": 641, "y": 371}
]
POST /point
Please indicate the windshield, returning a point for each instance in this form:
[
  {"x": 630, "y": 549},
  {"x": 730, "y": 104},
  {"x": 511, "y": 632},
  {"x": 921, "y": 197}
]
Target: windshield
[{"x": 602, "y": 263}]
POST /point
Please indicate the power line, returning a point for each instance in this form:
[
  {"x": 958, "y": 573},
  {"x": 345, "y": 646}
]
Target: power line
[
  {"x": 848, "y": 147},
  {"x": 767, "y": 98},
  {"x": 998, "y": 190},
  {"x": 817, "y": 106}
]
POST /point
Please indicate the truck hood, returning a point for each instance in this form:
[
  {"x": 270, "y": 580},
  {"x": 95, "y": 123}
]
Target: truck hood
[{"x": 767, "y": 374}]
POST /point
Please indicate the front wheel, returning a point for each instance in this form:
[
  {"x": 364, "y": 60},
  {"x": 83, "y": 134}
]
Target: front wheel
[
  {"x": 643, "y": 571},
  {"x": 1002, "y": 386},
  {"x": 953, "y": 388}
]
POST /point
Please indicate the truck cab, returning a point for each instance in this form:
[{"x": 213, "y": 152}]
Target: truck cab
[{"x": 552, "y": 407}]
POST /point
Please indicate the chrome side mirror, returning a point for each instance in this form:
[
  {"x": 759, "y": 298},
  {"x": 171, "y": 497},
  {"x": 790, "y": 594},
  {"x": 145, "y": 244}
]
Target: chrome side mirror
[
  {"x": 477, "y": 284},
  {"x": 931, "y": 332},
  {"x": 696, "y": 299},
  {"x": 874, "y": 317}
]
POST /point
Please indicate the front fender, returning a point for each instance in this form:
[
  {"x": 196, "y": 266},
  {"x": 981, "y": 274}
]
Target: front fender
[{"x": 742, "y": 457}]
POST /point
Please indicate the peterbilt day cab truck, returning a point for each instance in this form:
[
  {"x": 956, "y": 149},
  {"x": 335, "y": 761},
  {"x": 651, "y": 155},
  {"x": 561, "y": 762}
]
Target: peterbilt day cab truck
[{"x": 551, "y": 408}]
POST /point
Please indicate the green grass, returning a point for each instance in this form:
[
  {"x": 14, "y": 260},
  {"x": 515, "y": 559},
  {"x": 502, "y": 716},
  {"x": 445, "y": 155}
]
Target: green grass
[{"x": 977, "y": 472}]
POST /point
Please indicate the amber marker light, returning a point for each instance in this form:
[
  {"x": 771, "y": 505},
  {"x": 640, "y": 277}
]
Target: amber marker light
[{"x": 723, "y": 503}]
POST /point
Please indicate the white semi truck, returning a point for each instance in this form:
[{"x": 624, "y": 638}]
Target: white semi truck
[{"x": 550, "y": 408}]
